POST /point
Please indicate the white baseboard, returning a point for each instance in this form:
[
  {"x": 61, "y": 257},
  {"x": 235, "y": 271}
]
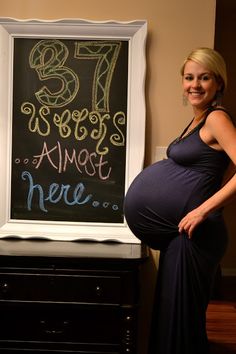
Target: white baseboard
[{"x": 228, "y": 272}]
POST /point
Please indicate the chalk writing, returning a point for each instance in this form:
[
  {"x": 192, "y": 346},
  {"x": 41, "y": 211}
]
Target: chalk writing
[
  {"x": 106, "y": 54},
  {"x": 90, "y": 162},
  {"x": 69, "y": 123},
  {"x": 54, "y": 194},
  {"x": 48, "y": 58}
]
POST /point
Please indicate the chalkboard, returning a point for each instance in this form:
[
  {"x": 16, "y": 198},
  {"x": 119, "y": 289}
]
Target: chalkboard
[
  {"x": 69, "y": 129},
  {"x": 72, "y": 126}
]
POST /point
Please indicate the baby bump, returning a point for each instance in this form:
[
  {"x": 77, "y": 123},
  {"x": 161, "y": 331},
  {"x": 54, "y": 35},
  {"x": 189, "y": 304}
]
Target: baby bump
[{"x": 157, "y": 199}]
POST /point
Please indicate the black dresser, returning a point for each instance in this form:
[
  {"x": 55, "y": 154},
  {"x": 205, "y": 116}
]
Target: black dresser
[{"x": 69, "y": 297}]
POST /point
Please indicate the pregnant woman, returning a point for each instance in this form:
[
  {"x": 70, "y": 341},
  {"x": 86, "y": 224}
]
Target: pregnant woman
[{"x": 175, "y": 205}]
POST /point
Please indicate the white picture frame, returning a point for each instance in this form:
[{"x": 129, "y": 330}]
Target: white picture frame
[{"x": 134, "y": 33}]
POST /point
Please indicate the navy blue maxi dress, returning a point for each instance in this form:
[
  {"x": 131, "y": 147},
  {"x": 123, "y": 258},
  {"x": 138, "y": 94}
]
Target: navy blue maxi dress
[{"x": 159, "y": 197}]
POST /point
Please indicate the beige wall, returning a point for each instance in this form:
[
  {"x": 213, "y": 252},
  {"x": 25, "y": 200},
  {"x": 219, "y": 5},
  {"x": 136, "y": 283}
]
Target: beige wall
[{"x": 174, "y": 28}]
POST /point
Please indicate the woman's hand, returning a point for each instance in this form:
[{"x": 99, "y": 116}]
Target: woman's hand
[{"x": 190, "y": 221}]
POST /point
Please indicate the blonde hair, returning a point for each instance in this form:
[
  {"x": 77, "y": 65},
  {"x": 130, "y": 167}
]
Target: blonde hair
[{"x": 212, "y": 60}]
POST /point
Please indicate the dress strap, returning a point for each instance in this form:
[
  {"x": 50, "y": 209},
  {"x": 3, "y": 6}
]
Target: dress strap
[
  {"x": 202, "y": 122},
  {"x": 212, "y": 109},
  {"x": 185, "y": 129}
]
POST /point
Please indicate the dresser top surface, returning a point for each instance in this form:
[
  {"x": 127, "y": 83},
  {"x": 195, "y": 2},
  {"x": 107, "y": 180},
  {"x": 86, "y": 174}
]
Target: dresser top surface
[{"x": 68, "y": 249}]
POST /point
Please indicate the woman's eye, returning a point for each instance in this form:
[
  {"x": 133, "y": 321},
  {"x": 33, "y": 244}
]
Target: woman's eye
[
  {"x": 205, "y": 78},
  {"x": 188, "y": 78}
]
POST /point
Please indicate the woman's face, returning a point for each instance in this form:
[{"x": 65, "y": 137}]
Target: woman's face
[{"x": 199, "y": 85}]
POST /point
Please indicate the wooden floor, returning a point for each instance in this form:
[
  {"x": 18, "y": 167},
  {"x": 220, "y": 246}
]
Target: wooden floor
[{"x": 221, "y": 319}]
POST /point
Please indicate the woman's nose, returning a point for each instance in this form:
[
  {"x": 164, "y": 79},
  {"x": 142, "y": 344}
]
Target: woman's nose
[{"x": 196, "y": 83}]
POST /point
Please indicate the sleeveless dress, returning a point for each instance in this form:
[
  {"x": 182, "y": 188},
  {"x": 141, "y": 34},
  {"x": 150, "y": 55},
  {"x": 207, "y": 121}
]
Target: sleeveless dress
[{"x": 159, "y": 197}]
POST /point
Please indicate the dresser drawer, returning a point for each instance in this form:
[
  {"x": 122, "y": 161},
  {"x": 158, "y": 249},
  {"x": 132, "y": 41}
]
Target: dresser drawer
[
  {"x": 60, "y": 288},
  {"x": 65, "y": 323}
]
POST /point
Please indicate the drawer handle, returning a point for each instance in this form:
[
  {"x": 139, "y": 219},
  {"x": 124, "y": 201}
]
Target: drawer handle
[
  {"x": 98, "y": 290},
  {"x": 4, "y": 288},
  {"x": 55, "y": 329}
]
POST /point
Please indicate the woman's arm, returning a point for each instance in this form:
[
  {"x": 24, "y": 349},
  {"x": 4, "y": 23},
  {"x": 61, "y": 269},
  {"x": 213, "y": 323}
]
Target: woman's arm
[{"x": 220, "y": 129}]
